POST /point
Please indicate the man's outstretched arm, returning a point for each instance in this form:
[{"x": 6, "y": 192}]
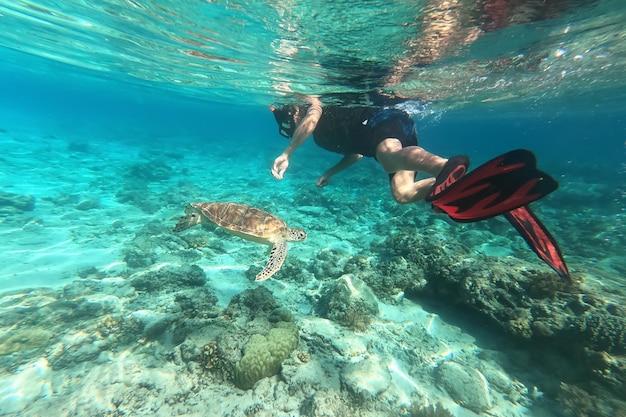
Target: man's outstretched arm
[
  {"x": 305, "y": 128},
  {"x": 345, "y": 163}
]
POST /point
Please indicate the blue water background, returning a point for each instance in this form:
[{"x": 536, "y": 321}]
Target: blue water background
[{"x": 68, "y": 100}]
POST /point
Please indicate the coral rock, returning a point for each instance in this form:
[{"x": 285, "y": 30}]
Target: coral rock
[
  {"x": 263, "y": 355},
  {"x": 349, "y": 301},
  {"x": 367, "y": 378},
  {"x": 465, "y": 385}
]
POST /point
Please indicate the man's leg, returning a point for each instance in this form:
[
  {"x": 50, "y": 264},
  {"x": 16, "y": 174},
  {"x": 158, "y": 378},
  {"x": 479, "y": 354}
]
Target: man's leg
[
  {"x": 405, "y": 189},
  {"x": 393, "y": 157}
]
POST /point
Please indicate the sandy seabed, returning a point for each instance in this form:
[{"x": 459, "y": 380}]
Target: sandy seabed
[{"x": 106, "y": 312}]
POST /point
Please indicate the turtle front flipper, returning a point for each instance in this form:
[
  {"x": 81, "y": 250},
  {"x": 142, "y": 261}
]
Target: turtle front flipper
[{"x": 277, "y": 257}]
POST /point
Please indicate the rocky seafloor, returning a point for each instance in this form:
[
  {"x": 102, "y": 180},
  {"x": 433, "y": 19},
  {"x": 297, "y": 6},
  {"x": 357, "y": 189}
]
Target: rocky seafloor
[
  {"x": 337, "y": 335},
  {"x": 385, "y": 310}
]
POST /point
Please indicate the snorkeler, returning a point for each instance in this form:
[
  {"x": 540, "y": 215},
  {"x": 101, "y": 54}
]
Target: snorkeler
[
  {"x": 505, "y": 185},
  {"x": 387, "y": 134}
]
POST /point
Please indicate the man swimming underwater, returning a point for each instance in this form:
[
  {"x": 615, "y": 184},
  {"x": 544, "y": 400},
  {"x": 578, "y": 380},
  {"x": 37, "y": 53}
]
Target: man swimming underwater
[{"x": 506, "y": 185}]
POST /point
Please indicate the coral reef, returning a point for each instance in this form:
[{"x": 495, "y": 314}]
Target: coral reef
[
  {"x": 88, "y": 203},
  {"x": 249, "y": 342},
  {"x": 293, "y": 269},
  {"x": 264, "y": 354},
  {"x": 525, "y": 302},
  {"x": 465, "y": 385},
  {"x": 328, "y": 264},
  {"x": 155, "y": 170},
  {"x": 16, "y": 203},
  {"x": 209, "y": 356},
  {"x": 68, "y": 326},
  {"x": 280, "y": 314},
  {"x": 270, "y": 332},
  {"x": 600, "y": 330},
  {"x": 158, "y": 325},
  {"x": 580, "y": 403},
  {"x": 252, "y": 303},
  {"x": 25, "y": 340},
  {"x": 327, "y": 403},
  {"x": 140, "y": 196},
  {"x": 433, "y": 410},
  {"x": 144, "y": 247},
  {"x": 349, "y": 301},
  {"x": 15, "y": 207},
  {"x": 197, "y": 303},
  {"x": 395, "y": 275},
  {"x": 406, "y": 258},
  {"x": 548, "y": 285},
  {"x": 303, "y": 356},
  {"x": 366, "y": 379},
  {"x": 168, "y": 277}
]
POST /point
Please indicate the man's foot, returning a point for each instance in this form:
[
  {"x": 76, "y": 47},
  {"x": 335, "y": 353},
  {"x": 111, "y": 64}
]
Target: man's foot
[{"x": 451, "y": 172}]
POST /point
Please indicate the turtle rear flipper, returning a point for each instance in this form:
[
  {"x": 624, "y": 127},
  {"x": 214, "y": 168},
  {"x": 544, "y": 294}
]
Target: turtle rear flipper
[{"x": 278, "y": 253}]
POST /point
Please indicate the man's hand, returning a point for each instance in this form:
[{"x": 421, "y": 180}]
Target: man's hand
[
  {"x": 280, "y": 166},
  {"x": 324, "y": 180}
]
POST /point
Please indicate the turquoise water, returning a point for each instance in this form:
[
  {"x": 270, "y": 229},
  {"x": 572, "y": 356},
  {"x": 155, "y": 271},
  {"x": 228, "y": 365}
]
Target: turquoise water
[{"x": 115, "y": 115}]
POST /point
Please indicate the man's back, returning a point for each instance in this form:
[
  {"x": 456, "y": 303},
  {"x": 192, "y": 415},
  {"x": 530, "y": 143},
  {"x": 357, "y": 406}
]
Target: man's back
[{"x": 344, "y": 130}]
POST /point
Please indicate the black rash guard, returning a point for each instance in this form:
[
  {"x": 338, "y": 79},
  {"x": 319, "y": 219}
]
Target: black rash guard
[{"x": 359, "y": 130}]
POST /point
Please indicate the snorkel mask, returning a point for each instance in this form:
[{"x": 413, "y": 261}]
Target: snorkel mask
[{"x": 285, "y": 117}]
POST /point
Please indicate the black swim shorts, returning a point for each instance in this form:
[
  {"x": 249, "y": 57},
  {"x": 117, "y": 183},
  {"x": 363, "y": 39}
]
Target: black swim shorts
[{"x": 391, "y": 123}]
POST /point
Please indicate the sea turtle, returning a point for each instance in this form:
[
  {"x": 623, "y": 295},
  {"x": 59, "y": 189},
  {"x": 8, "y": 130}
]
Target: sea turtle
[{"x": 249, "y": 223}]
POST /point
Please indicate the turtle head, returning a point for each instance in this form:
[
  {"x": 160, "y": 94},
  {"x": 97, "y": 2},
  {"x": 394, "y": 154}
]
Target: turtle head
[
  {"x": 295, "y": 235},
  {"x": 192, "y": 217}
]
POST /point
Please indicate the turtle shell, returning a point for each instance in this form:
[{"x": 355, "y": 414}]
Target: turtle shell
[{"x": 242, "y": 219}]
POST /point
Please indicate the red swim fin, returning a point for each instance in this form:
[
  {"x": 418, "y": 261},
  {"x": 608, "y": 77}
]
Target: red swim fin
[
  {"x": 505, "y": 183},
  {"x": 539, "y": 239},
  {"x": 453, "y": 170}
]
